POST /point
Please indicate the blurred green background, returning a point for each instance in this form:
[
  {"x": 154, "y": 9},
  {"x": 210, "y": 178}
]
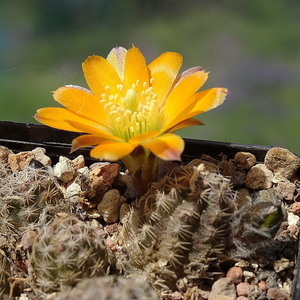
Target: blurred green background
[{"x": 250, "y": 47}]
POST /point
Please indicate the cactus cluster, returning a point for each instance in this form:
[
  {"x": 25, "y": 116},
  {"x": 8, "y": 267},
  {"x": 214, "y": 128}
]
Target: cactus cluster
[
  {"x": 65, "y": 252},
  {"x": 178, "y": 228},
  {"x": 181, "y": 230},
  {"x": 176, "y": 237}
]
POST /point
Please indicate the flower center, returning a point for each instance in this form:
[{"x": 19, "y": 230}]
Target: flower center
[{"x": 133, "y": 111}]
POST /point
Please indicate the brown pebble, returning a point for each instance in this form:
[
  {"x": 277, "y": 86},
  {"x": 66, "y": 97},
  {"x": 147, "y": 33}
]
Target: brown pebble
[
  {"x": 276, "y": 294},
  {"x": 102, "y": 178},
  {"x": 223, "y": 287},
  {"x": 243, "y": 289},
  {"x": 295, "y": 208},
  {"x": 236, "y": 274},
  {"x": 259, "y": 177},
  {"x": 176, "y": 296},
  {"x": 40, "y": 155},
  {"x": 262, "y": 285},
  {"x": 111, "y": 244},
  {"x": 18, "y": 162},
  {"x": 109, "y": 207},
  {"x": 244, "y": 160},
  {"x": 293, "y": 229},
  {"x": 286, "y": 189},
  {"x": 282, "y": 161},
  {"x": 4, "y": 152},
  {"x": 242, "y": 298},
  {"x": 78, "y": 162}
]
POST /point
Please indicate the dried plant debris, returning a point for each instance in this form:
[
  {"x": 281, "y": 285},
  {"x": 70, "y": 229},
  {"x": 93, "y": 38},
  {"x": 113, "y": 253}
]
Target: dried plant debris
[{"x": 213, "y": 228}]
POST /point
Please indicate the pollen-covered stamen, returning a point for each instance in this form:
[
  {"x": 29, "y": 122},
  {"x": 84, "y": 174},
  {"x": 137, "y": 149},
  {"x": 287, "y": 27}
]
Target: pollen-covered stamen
[{"x": 132, "y": 112}]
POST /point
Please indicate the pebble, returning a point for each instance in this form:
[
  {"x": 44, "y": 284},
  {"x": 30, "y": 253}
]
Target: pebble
[
  {"x": 78, "y": 162},
  {"x": 242, "y": 298},
  {"x": 236, "y": 274},
  {"x": 40, "y": 155},
  {"x": 282, "y": 264},
  {"x": 248, "y": 276},
  {"x": 18, "y": 162},
  {"x": 243, "y": 289},
  {"x": 244, "y": 160},
  {"x": 73, "y": 192},
  {"x": 4, "y": 152},
  {"x": 293, "y": 219},
  {"x": 262, "y": 285},
  {"x": 221, "y": 288},
  {"x": 259, "y": 177},
  {"x": 287, "y": 189},
  {"x": 64, "y": 169},
  {"x": 130, "y": 191},
  {"x": 109, "y": 207},
  {"x": 282, "y": 161},
  {"x": 176, "y": 296},
  {"x": 102, "y": 177},
  {"x": 295, "y": 207},
  {"x": 222, "y": 297},
  {"x": 276, "y": 294}
]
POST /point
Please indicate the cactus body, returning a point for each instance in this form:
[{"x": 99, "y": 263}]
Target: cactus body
[{"x": 66, "y": 252}]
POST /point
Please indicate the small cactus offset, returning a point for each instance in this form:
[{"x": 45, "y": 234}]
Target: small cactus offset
[
  {"x": 177, "y": 229},
  {"x": 66, "y": 252}
]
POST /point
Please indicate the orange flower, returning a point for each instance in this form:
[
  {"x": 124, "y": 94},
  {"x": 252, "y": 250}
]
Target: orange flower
[{"x": 132, "y": 104}]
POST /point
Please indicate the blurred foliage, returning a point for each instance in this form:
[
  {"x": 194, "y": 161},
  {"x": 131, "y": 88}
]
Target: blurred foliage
[{"x": 250, "y": 47}]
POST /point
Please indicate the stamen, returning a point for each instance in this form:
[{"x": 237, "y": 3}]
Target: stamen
[
  {"x": 107, "y": 88},
  {"x": 134, "y": 113},
  {"x": 120, "y": 87}
]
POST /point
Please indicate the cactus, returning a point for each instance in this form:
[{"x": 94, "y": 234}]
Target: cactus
[
  {"x": 66, "y": 252},
  {"x": 110, "y": 288},
  {"x": 23, "y": 197},
  {"x": 180, "y": 231},
  {"x": 177, "y": 229}
]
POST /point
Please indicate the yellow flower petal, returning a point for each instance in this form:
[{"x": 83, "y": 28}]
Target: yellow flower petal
[
  {"x": 207, "y": 100},
  {"x": 100, "y": 75},
  {"x": 187, "y": 73},
  {"x": 183, "y": 124},
  {"x": 168, "y": 146},
  {"x": 202, "y": 102},
  {"x": 164, "y": 70},
  {"x": 116, "y": 58},
  {"x": 136, "y": 70},
  {"x": 56, "y": 117},
  {"x": 86, "y": 104},
  {"x": 94, "y": 130},
  {"x": 86, "y": 141},
  {"x": 181, "y": 96},
  {"x": 111, "y": 151},
  {"x": 144, "y": 137}
]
